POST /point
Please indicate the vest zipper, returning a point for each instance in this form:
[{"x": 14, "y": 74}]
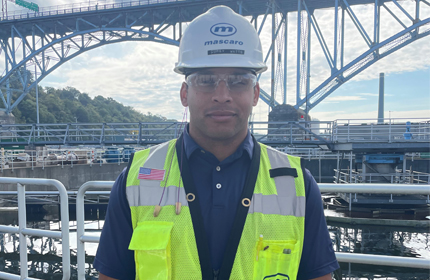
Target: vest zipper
[{"x": 216, "y": 272}]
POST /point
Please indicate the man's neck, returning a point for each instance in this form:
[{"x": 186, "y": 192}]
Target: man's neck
[{"x": 221, "y": 149}]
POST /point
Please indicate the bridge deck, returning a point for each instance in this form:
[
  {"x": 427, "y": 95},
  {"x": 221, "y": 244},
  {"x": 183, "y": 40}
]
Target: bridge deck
[
  {"x": 134, "y": 9},
  {"x": 392, "y": 135}
]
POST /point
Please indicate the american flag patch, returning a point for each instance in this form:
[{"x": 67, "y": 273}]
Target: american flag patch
[{"x": 151, "y": 174}]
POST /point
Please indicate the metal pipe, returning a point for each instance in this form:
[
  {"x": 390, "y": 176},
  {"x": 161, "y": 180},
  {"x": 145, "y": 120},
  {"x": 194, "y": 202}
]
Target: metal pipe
[
  {"x": 42, "y": 233},
  {"x": 9, "y": 229},
  {"x": 403, "y": 10},
  {"x": 80, "y": 218},
  {"x": 336, "y": 12},
  {"x": 10, "y": 276},
  {"x": 417, "y": 10},
  {"x": 37, "y": 97},
  {"x": 308, "y": 67},
  {"x": 381, "y": 99},
  {"x": 357, "y": 24},
  {"x": 64, "y": 210},
  {"x": 376, "y": 23},
  {"x": 285, "y": 56},
  {"x": 90, "y": 239},
  {"x": 383, "y": 260},
  {"x": 264, "y": 20},
  {"x": 376, "y": 188},
  {"x": 299, "y": 27},
  {"x": 22, "y": 223},
  {"x": 342, "y": 38},
  {"x": 272, "y": 74}
]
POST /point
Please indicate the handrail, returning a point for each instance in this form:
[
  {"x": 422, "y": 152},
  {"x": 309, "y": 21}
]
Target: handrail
[
  {"x": 341, "y": 257},
  {"x": 82, "y": 238},
  {"x": 382, "y": 260},
  {"x": 286, "y": 132},
  {"x": 376, "y": 188},
  {"x": 23, "y": 231},
  {"x": 80, "y": 223},
  {"x": 80, "y": 7}
]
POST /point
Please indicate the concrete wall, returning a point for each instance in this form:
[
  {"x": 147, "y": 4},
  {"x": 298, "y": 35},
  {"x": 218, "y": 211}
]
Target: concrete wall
[
  {"x": 74, "y": 177},
  {"x": 71, "y": 177}
]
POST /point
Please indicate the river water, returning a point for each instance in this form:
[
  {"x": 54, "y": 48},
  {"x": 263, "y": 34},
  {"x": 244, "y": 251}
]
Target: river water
[{"x": 45, "y": 261}]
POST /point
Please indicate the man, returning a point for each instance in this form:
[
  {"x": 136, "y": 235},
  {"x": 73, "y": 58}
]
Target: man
[{"x": 216, "y": 204}]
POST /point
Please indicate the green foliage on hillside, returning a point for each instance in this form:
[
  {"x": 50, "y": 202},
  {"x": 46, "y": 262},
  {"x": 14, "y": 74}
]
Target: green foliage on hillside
[{"x": 69, "y": 105}]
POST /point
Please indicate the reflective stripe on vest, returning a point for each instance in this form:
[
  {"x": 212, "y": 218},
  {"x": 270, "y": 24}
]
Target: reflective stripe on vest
[{"x": 277, "y": 211}]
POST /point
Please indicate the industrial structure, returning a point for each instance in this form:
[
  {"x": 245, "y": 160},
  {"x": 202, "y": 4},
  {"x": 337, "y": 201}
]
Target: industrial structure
[{"x": 38, "y": 42}]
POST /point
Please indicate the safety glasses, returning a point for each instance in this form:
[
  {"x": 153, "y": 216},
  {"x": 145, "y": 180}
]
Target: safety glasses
[{"x": 209, "y": 82}]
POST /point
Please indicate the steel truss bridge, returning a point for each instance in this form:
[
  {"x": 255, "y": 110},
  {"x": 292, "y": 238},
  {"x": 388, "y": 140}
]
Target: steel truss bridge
[
  {"x": 33, "y": 44},
  {"x": 393, "y": 135}
]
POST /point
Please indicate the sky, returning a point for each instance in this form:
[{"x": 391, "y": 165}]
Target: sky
[{"x": 140, "y": 74}]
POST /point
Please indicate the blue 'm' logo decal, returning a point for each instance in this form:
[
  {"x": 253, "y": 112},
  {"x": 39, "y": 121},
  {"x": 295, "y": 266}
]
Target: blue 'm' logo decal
[
  {"x": 277, "y": 276},
  {"x": 223, "y": 29}
]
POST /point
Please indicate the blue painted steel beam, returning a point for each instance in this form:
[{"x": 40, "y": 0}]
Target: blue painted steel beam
[
  {"x": 339, "y": 74},
  {"x": 321, "y": 40},
  {"x": 164, "y": 40},
  {"x": 357, "y": 24},
  {"x": 394, "y": 16}
]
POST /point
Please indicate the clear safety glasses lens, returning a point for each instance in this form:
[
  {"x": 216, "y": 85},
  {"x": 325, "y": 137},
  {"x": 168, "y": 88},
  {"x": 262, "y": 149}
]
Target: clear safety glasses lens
[{"x": 209, "y": 82}]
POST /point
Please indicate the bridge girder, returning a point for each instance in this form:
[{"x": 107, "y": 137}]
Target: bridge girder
[
  {"x": 377, "y": 49},
  {"x": 42, "y": 43}
]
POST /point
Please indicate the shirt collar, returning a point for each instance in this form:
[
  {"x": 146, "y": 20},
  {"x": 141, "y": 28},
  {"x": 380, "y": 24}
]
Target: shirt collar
[{"x": 191, "y": 146}]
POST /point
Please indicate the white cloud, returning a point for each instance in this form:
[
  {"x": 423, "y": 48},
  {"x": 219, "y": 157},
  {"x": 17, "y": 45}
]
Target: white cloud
[
  {"x": 369, "y": 94},
  {"x": 344, "y": 98}
]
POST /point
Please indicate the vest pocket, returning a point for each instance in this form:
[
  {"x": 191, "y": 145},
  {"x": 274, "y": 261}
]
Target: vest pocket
[
  {"x": 276, "y": 259},
  {"x": 151, "y": 245}
]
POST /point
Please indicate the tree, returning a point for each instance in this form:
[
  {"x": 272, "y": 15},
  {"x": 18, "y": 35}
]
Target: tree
[{"x": 63, "y": 105}]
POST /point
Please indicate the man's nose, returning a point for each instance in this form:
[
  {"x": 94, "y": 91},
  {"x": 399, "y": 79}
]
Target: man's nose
[{"x": 222, "y": 93}]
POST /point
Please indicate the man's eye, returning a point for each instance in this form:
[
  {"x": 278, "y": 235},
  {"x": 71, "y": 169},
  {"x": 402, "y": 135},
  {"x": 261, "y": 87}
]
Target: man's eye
[
  {"x": 238, "y": 81},
  {"x": 206, "y": 80}
]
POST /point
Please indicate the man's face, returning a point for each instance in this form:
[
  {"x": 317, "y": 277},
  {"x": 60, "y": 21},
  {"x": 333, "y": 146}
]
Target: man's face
[{"x": 220, "y": 101}]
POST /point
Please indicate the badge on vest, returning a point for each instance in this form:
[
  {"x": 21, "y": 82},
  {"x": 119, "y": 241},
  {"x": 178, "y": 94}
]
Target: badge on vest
[
  {"x": 283, "y": 171},
  {"x": 151, "y": 174},
  {"x": 277, "y": 276}
]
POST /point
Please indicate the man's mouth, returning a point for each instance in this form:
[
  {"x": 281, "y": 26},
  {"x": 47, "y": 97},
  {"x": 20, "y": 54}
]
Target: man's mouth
[{"x": 221, "y": 115}]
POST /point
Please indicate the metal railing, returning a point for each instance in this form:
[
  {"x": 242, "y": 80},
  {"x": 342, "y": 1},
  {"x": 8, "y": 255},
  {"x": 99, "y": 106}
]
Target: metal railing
[
  {"x": 23, "y": 231},
  {"x": 80, "y": 223},
  {"x": 346, "y": 176},
  {"x": 389, "y": 130},
  {"x": 341, "y": 257},
  {"x": 288, "y": 132},
  {"x": 79, "y": 8},
  {"x": 83, "y": 238},
  {"x": 18, "y": 158}
]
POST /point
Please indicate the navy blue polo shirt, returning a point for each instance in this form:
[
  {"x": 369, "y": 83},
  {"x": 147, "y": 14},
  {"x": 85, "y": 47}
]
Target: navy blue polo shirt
[{"x": 219, "y": 186}]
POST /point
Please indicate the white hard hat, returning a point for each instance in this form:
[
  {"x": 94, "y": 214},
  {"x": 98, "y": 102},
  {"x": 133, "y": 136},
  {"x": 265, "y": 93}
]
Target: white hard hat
[{"x": 220, "y": 38}]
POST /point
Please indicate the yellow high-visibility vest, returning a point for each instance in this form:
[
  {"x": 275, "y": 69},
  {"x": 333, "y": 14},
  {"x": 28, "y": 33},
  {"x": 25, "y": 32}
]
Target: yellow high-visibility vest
[{"x": 165, "y": 246}]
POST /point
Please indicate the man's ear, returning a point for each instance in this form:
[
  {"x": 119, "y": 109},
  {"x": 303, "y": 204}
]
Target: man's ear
[
  {"x": 184, "y": 94},
  {"x": 256, "y": 94}
]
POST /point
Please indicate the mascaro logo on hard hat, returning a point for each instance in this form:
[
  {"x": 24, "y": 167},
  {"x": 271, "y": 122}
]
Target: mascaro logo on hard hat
[{"x": 223, "y": 29}]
